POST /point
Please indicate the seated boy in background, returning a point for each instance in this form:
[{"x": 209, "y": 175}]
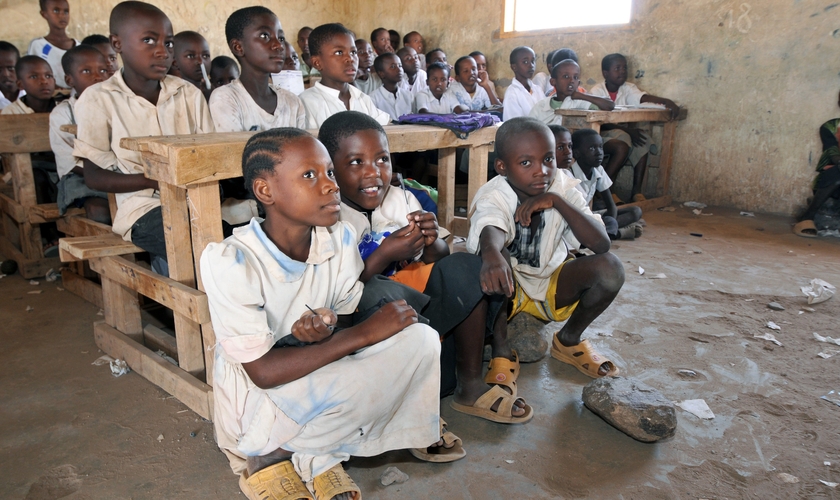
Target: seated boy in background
[
  {"x": 483, "y": 75},
  {"x": 394, "y": 35},
  {"x": 297, "y": 389},
  {"x": 565, "y": 77},
  {"x": 252, "y": 102},
  {"x": 625, "y": 140},
  {"x": 380, "y": 39},
  {"x": 305, "y": 56},
  {"x": 52, "y": 47},
  {"x": 292, "y": 60},
  {"x": 563, "y": 143},
  {"x": 192, "y": 59},
  {"x": 223, "y": 70},
  {"x": 83, "y": 66},
  {"x": 435, "y": 98},
  {"x": 522, "y": 94},
  {"x": 366, "y": 78},
  {"x": 414, "y": 78},
  {"x": 334, "y": 56},
  {"x": 561, "y": 55},
  {"x": 521, "y": 223},
  {"x": 542, "y": 79},
  {"x": 471, "y": 95},
  {"x": 437, "y": 55},
  {"x": 415, "y": 40},
  {"x": 391, "y": 97},
  {"x": 157, "y": 103},
  {"x": 102, "y": 44},
  {"x": 9, "y": 91},
  {"x": 588, "y": 149}
]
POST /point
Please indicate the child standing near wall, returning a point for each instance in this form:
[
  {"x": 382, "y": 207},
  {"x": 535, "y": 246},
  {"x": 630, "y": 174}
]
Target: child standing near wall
[
  {"x": 102, "y": 44},
  {"x": 52, "y": 47},
  {"x": 9, "y": 91},
  {"x": 522, "y": 94},
  {"x": 565, "y": 77},
  {"x": 391, "y": 97},
  {"x": 366, "y": 78}
]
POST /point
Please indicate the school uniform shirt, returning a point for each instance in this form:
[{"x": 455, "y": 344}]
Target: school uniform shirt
[
  {"x": 322, "y": 102},
  {"x": 5, "y": 102},
  {"x": 109, "y": 111},
  {"x": 419, "y": 84},
  {"x": 61, "y": 143},
  {"x": 519, "y": 101},
  {"x": 395, "y": 105},
  {"x": 544, "y": 109},
  {"x": 600, "y": 181},
  {"x": 543, "y": 82},
  {"x": 234, "y": 110},
  {"x": 45, "y": 50},
  {"x": 495, "y": 204},
  {"x": 17, "y": 108},
  {"x": 368, "y": 86},
  {"x": 627, "y": 95},
  {"x": 426, "y": 100},
  {"x": 476, "y": 102},
  {"x": 380, "y": 398}
]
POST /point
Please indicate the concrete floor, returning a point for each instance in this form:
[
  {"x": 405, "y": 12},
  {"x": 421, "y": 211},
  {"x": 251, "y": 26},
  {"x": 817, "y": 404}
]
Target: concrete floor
[{"x": 70, "y": 430}]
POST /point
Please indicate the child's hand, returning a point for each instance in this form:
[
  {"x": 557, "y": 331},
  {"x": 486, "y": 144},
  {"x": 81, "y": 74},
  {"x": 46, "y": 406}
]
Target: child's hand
[
  {"x": 428, "y": 224},
  {"x": 312, "y": 327},
  {"x": 483, "y": 78},
  {"x": 534, "y": 204},
  {"x": 403, "y": 244},
  {"x": 495, "y": 275},
  {"x": 637, "y": 137},
  {"x": 389, "y": 320},
  {"x": 672, "y": 107}
]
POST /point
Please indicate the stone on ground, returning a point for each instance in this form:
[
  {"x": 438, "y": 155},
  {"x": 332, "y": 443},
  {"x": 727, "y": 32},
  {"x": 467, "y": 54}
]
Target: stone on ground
[
  {"x": 633, "y": 407},
  {"x": 393, "y": 475},
  {"x": 529, "y": 336}
]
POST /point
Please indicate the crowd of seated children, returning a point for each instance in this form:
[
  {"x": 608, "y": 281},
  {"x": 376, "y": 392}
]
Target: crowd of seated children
[
  {"x": 102, "y": 44},
  {"x": 380, "y": 40},
  {"x": 52, "y": 47},
  {"x": 588, "y": 150},
  {"x": 470, "y": 93},
  {"x": 435, "y": 98},
  {"x": 565, "y": 77},
  {"x": 415, "y": 40},
  {"x": 414, "y": 78},
  {"x": 159, "y": 104},
  {"x": 83, "y": 66},
  {"x": 366, "y": 78},
  {"x": 523, "y": 222},
  {"x": 9, "y": 90},
  {"x": 223, "y": 70},
  {"x": 333, "y": 54},
  {"x": 391, "y": 97},
  {"x": 623, "y": 141},
  {"x": 522, "y": 94},
  {"x": 299, "y": 388},
  {"x": 400, "y": 241},
  {"x": 192, "y": 60}
]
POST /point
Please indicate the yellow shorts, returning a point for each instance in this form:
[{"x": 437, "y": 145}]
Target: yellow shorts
[{"x": 545, "y": 309}]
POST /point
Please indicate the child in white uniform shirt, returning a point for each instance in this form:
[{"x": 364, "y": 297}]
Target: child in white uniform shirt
[
  {"x": 414, "y": 78},
  {"x": 52, "y": 47},
  {"x": 391, "y": 97},
  {"x": 366, "y": 79},
  {"x": 565, "y": 77},
  {"x": 436, "y": 98},
  {"x": 522, "y": 94},
  {"x": 9, "y": 91},
  {"x": 470, "y": 94}
]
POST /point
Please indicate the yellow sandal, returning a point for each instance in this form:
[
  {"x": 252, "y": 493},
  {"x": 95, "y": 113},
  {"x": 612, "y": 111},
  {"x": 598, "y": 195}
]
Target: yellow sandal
[
  {"x": 502, "y": 371},
  {"x": 275, "y": 482},
  {"x": 334, "y": 482},
  {"x": 584, "y": 357}
]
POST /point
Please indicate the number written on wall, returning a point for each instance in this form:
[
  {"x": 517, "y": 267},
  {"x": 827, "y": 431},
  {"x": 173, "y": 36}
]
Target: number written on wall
[{"x": 732, "y": 19}]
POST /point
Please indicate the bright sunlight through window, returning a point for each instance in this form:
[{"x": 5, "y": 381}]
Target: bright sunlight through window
[{"x": 531, "y": 15}]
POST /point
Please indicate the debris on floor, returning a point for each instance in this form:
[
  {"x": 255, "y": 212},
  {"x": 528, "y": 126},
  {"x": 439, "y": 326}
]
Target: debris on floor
[
  {"x": 52, "y": 275},
  {"x": 768, "y": 336},
  {"x": 641, "y": 270},
  {"x": 633, "y": 407},
  {"x": 818, "y": 291},
  {"x": 748, "y": 214},
  {"x": 658, "y": 276},
  {"x": 697, "y": 407},
  {"x": 393, "y": 475},
  {"x": 773, "y": 326},
  {"x": 119, "y": 368},
  {"x": 827, "y": 340},
  {"x": 775, "y": 306},
  {"x": 694, "y": 204},
  {"x": 787, "y": 478},
  {"x": 102, "y": 360},
  {"x": 832, "y": 397},
  {"x": 33, "y": 282},
  {"x": 829, "y": 483}
]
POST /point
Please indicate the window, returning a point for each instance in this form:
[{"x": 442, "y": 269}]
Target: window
[{"x": 540, "y": 15}]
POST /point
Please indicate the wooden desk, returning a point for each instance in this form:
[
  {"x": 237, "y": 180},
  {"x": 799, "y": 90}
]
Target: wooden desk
[{"x": 594, "y": 119}]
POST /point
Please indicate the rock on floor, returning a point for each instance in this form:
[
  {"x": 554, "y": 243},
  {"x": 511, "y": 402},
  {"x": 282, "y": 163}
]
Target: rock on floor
[
  {"x": 529, "y": 336},
  {"x": 633, "y": 407}
]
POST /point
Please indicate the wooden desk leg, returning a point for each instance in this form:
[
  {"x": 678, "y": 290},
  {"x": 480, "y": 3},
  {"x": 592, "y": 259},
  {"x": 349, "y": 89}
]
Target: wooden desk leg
[
  {"x": 478, "y": 171},
  {"x": 666, "y": 156},
  {"x": 176, "y": 230},
  {"x": 206, "y": 227},
  {"x": 446, "y": 187},
  {"x": 122, "y": 309},
  {"x": 24, "y": 185}
]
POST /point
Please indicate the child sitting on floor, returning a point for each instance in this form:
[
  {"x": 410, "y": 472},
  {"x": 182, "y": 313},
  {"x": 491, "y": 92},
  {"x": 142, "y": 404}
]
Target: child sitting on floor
[
  {"x": 9, "y": 91},
  {"x": 158, "y": 104},
  {"x": 391, "y": 97},
  {"x": 252, "y": 102},
  {"x": 624, "y": 140},
  {"x": 223, "y": 70},
  {"x": 416, "y": 42},
  {"x": 83, "y": 66},
  {"x": 484, "y": 77},
  {"x": 565, "y": 77},
  {"x": 521, "y": 223},
  {"x": 366, "y": 78},
  {"x": 399, "y": 240},
  {"x": 414, "y": 78},
  {"x": 435, "y": 98},
  {"x": 522, "y": 94},
  {"x": 471, "y": 95},
  {"x": 192, "y": 53},
  {"x": 334, "y": 56},
  {"x": 52, "y": 47},
  {"x": 296, "y": 393},
  {"x": 102, "y": 44},
  {"x": 588, "y": 149}
]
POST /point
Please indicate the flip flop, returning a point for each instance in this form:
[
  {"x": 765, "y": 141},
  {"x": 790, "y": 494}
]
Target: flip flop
[
  {"x": 805, "y": 228},
  {"x": 504, "y": 415},
  {"x": 441, "y": 454},
  {"x": 503, "y": 371},
  {"x": 275, "y": 482},
  {"x": 583, "y": 357},
  {"x": 334, "y": 482}
]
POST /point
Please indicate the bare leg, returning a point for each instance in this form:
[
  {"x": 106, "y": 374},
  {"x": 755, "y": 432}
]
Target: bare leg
[
  {"x": 97, "y": 209},
  {"x": 639, "y": 173},
  {"x": 618, "y": 152},
  {"x": 628, "y": 215}
]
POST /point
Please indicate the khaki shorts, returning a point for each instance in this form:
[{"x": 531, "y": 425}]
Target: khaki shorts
[{"x": 636, "y": 152}]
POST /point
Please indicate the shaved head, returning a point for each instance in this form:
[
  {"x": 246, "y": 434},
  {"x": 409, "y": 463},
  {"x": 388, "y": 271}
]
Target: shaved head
[{"x": 124, "y": 13}]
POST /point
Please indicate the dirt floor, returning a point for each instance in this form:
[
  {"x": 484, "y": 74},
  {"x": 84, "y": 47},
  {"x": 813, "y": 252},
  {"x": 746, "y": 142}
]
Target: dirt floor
[{"x": 69, "y": 429}]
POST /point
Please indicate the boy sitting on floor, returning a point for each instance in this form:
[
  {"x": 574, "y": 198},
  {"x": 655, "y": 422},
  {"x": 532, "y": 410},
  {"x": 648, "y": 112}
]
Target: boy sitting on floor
[
  {"x": 436, "y": 99},
  {"x": 102, "y": 44},
  {"x": 521, "y": 223},
  {"x": 522, "y": 94},
  {"x": 334, "y": 56},
  {"x": 391, "y": 97},
  {"x": 588, "y": 149},
  {"x": 470, "y": 93},
  {"x": 623, "y": 141},
  {"x": 52, "y": 47},
  {"x": 565, "y": 77},
  {"x": 83, "y": 66},
  {"x": 366, "y": 79},
  {"x": 158, "y": 104},
  {"x": 296, "y": 394}
]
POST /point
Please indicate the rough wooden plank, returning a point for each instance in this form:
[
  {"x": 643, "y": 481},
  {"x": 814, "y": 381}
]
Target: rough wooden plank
[
  {"x": 195, "y": 394},
  {"x": 122, "y": 308},
  {"x": 181, "y": 298},
  {"x": 37, "y": 268},
  {"x": 666, "y": 157},
  {"x": 82, "y": 226},
  {"x": 83, "y": 287},
  {"x": 91, "y": 247},
  {"x": 205, "y": 220},
  {"x": 208, "y": 337},
  {"x": 478, "y": 172},
  {"x": 460, "y": 226},
  {"x": 14, "y": 209},
  {"x": 25, "y": 133},
  {"x": 23, "y": 181},
  {"x": 446, "y": 187},
  {"x": 68, "y": 128},
  {"x": 48, "y": 212},
  {"x": 155, "y": 338},
  {"x": 650, "y": 204}
]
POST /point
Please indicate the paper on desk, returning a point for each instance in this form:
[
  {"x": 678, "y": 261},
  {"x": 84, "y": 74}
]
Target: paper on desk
[
  {"x": 289, "y": 80},
  {"x": 697, "y": 407}
]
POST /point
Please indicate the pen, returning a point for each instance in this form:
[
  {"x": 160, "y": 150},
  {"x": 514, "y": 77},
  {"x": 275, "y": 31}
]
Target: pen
[{"x": 316, "y": 314}]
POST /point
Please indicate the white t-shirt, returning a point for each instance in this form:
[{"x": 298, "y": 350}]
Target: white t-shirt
[
  {"x": 519, "y": 101},
  {"x": 476, "y": 102},
  {"x": 426, "y": 100},
  {"x": 419, "y": 84},
  {"x": 368, "y": 86},
  {"x": 543, "y": 82},
  {"x": 17, "y": 108},
  {"x": 600, "y": 181},
  {"x": 544, "y": 110},
  {"x": 5, "y": 102},
  {"x": 234, "y": 110},
  {"x": 322, "y": 102},
  {"x": 628, "y": 94},
  {"x": 395, "y": 105},
  {"x": 61, "y": 143},
  {"x": 45, "y": 50}
]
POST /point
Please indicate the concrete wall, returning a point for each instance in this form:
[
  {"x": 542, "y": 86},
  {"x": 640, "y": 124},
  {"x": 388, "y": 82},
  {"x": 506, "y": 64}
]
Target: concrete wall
[{"x": 758, "y": 78}]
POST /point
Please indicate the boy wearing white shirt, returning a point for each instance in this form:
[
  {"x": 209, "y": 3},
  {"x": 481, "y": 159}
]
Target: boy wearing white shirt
[
  {"x": 436, "y": 98},
  {"x": 522, "y": 94},
  {"x": 414, "y": 78},
  {"x": 470, "y": 94},
  {"x": 565, "y": 77},
  {"x": 391, "y": 97},
  {"x": 366, "y": 79},
  {"x": 9, "y": 91}
]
